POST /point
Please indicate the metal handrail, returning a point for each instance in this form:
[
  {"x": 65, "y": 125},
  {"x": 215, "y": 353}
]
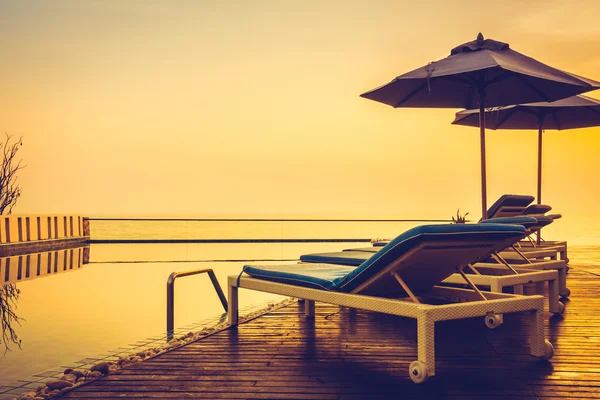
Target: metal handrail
[{"x": 171, "y": 293}]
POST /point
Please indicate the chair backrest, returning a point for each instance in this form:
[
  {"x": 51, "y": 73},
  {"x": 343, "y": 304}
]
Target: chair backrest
[
  {"x": 537, "y": 209},
  {"x": 509, "y": 205},
  {"x": 426, "y": 255},
  {"x": 542, "y": 221}
]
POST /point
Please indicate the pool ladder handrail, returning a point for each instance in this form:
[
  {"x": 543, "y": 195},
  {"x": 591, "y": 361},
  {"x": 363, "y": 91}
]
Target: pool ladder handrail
[{"x": 171, "y": 293}]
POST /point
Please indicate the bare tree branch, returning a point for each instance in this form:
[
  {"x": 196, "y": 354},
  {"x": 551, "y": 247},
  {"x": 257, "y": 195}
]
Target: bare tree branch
[
  {"x": 9, "y": 296},
  {"x": 10, "y": 191}
]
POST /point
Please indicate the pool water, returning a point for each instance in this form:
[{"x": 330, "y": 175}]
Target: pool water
[{"x": 81, "y": 311}]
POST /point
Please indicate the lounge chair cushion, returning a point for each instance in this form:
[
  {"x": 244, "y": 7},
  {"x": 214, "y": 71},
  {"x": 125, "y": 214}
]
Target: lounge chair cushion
[
  {"x": 372, "y": 249},
  {"x": 527, "y": 222},
  {"x": 431, "y": 235},
  {"x": 318, "y": 276},
  {"x": 352, "y": 258},
  {"x": 542, "y": 220}
]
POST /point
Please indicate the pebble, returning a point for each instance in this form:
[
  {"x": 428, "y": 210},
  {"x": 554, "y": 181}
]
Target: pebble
[
  {"x": 69, "y": 378},
  {"x": 101, "y": 367},
  {"x": 57, "y": 384},
  {"x": 77, "y": 373},
  {"x": 95, "y": 374}
]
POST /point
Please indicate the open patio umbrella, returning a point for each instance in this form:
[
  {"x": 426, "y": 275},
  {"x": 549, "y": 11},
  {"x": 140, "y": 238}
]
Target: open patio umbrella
[
  {"x": 480, "y": 73},
  {"x": 570, "y": 113}
]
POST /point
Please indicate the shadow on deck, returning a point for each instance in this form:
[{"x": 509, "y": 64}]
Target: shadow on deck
[{"x": 363, "y": 355}]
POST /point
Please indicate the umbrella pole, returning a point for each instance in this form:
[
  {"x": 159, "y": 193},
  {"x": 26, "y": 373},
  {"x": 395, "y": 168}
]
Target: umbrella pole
[
  {"x": 539, "y": 182},
  {"x": 482, "y": 141},
  {"x": 539, "y": 186}
]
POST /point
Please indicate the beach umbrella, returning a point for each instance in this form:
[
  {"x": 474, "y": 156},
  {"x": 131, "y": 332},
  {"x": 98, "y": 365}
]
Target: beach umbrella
[
  {"x": 570, "y": 113},
  {"x": 481, "y": 73}
]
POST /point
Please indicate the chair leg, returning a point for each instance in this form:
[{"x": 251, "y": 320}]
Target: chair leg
[
  {"x": 426, "y": 344},
  {"x": 562, "y": 283},
  {"x": 518, "y": 289},
  {"x": 497, "y": 288},
  {"x": 309, "y": 308},
  {"x": 539, "y": 288},
  {"x": 536, "y": 332},
  {"x": 555, "y": 306},
  {"x": 232, "y": 313}
]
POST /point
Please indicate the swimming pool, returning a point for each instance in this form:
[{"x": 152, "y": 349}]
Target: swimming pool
[
  {"x": 118, "y": 301},
  {"x": 80, "y": 312}
]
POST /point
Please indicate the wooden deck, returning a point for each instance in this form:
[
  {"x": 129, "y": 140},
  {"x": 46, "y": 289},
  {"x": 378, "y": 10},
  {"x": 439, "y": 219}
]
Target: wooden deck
[{"x": 362, "y": 355}]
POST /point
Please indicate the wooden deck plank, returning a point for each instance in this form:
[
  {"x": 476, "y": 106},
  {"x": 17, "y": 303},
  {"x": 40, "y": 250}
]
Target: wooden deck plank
[{"x": 356, "y": 355}]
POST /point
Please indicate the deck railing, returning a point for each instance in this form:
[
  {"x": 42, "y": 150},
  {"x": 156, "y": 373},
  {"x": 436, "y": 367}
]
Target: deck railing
[
  {"x": 171, "y": 294},
  {"x": 19, "y": 268},
  {"x": 29, "y": 228}
]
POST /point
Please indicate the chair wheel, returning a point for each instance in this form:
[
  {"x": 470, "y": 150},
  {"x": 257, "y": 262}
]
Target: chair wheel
[
  {"x": 566, "y": 293},
  {"x": 561, "y": 309},
  {"x": 493, "y": 321},
  {"x": 548, "y": 350},
  {"x": 418, "y": 372}
]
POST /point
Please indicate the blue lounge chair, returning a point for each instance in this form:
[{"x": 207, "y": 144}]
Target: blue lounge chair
[
  {"x": 512, "y": 205},
  {"x": 519, "y": 255},
  {"x": 401, "y": 278},
  {"x": 509, "y": 205},
  {"x": 483, "y": 274}
]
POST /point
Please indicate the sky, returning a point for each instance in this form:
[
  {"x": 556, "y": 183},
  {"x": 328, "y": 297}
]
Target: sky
[{"x": 181, "y": 108}]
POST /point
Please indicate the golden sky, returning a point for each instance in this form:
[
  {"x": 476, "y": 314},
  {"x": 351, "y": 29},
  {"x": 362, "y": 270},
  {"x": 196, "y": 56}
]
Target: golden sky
[{"x": 252, "y": 107}]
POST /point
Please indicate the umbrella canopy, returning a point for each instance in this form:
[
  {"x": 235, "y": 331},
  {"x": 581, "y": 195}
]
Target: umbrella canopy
[
  {"x": 570, "y": 113},
  {"x": 480, "y": 73}
]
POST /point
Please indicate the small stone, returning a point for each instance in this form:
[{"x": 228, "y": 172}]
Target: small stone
[
  {"x": 95, "y": 374},
  {"x": 78, "y": 373},
  {"x": 112, "y": 368},
  {"x": 68, "y": 371},
  {"x": 101, "y": 367},
  {"x": 69, "y": 378},
  {"x": 53, "y": 392},
  {"x": 57, "y": 384},
  {"x": 80, "y": 379},
  {"x": 141, "y": 354}
]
